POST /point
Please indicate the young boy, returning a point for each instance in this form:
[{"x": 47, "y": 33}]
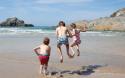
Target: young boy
[
  {"x": 43, "y": 52},
  {"x": 76, "y": 39},
  {"x": 62, "y": 38}
]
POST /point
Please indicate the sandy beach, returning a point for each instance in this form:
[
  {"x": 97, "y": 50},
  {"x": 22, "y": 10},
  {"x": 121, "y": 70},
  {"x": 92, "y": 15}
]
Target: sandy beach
[{"x": 102, "y": 56}]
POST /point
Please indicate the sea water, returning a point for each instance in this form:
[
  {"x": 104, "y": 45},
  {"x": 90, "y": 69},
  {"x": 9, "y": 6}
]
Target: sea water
[
  {"x": 51, "y": 29},
  {"x": 25, "y": 30}
]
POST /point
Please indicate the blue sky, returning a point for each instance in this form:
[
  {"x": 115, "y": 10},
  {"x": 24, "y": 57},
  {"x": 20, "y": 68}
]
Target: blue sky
[{"x": 49, "y": 12}]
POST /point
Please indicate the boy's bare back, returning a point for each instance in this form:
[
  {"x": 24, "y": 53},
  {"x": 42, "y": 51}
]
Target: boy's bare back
[
  {"x": 44, "y": 49},
  {"x": 61, "y": 31}
]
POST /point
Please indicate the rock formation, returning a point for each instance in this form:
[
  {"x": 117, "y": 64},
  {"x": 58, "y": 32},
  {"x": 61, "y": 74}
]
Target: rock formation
[
  {"x": 116, "y": 22},
  {"x": 120, "y": 12},
  {"x": 14, "y": 22},
  {"x": 82, "y": 25}
]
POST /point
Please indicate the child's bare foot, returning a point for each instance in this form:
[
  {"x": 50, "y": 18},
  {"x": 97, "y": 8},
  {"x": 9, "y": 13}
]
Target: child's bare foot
[
  {"x": 78, "y": 53},
  {"x": 61, "y": 59},
  {"x": 40, "y": 72},
  {"x": 71, "y": 56},
  {"x": 45, "y": 73}
]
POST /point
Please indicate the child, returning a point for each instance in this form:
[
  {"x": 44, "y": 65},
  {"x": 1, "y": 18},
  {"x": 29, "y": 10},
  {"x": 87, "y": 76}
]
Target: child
[
  {"x": 62, "y": 39},
  {"x": 43, "y": 52},
  {"x": 76, "y": 39}
]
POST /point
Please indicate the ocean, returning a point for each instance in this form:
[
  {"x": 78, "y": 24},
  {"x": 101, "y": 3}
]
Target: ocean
[
  {"x": 26, "y": 30},
  {"x": 51, "y": 29}
]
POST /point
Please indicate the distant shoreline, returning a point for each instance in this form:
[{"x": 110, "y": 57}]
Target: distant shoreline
[{"x": 54, "y": 28}]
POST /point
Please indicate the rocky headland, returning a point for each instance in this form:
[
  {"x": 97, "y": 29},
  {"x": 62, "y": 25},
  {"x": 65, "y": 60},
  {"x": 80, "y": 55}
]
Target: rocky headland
[
  {"x": 115, "y": 22},
  {"x": 14, "y": 22}
]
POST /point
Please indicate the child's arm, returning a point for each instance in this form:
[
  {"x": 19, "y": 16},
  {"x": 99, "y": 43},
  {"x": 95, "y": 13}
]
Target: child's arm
[
  {"x": 69, "y": 33},
  {"x": 73, "y": 32},
  {"x": 36, "y": 50},
  {"x": 49, "y": 50},
  {"x": 56, "y": 32}
]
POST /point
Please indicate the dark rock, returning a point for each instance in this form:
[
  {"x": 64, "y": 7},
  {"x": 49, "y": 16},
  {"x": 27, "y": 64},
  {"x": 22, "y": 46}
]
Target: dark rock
[
  {"x": 29, "y": 25},
  {"x": 14, "y": 22},
  {"x": 120, "y": 12}
]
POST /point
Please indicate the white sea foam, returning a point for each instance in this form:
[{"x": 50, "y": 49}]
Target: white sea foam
[
  {"x": 17, "y": 31},
  {"x": 11, "y": 31}
]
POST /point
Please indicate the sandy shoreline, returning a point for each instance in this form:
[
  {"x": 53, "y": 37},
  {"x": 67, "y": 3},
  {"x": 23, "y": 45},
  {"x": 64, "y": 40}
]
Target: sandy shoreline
[{"x": 101, "y": 57}]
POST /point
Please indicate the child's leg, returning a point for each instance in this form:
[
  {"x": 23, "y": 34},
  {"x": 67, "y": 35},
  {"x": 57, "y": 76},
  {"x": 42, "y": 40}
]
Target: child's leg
[
  {"x": 67, "y": 49},
  {"x": 60, "y": 52},
  {"x": 46, "y": 66},
  {"x": 72, "y": 45},
  {"x": 41, "y": 69},
  {"x": 45, "y": 69},
  {"x": 78, "y": 52}
]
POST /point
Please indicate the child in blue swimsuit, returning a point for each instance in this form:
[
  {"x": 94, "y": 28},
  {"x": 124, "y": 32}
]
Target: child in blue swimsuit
[{"x": 62, "y": 38}]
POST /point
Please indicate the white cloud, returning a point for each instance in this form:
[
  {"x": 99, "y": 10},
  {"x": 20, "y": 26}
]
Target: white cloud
[{"x": 61, "y": 1}]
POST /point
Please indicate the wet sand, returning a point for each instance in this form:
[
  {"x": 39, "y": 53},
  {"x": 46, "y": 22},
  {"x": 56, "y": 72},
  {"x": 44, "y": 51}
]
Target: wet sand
[{"x": 101, "y": 57}]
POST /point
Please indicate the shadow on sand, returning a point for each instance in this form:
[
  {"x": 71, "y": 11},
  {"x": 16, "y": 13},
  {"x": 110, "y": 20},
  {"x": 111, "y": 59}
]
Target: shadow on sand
[{"x": 85, "y": 70}]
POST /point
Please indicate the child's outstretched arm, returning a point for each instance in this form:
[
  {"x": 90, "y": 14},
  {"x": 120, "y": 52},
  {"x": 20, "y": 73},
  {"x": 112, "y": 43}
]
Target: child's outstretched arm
[{"x": 36, "y": 50}]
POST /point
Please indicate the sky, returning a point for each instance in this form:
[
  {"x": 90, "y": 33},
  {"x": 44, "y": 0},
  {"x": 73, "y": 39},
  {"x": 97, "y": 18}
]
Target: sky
[{"x": 50, "y": 12}]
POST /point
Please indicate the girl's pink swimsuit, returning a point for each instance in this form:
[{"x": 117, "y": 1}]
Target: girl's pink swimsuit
[{"x": 76, "y": 37}]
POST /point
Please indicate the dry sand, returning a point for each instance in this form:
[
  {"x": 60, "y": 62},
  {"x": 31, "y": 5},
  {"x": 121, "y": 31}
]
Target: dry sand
[{"x": 101, "y": 57}]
